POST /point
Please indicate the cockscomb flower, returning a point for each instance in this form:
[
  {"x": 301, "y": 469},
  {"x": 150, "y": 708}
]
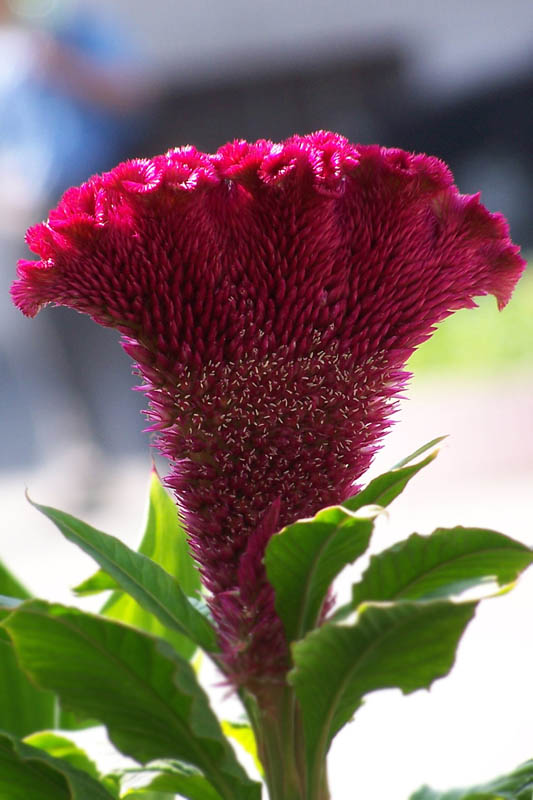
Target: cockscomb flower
[{"x": 270, "y": 295}]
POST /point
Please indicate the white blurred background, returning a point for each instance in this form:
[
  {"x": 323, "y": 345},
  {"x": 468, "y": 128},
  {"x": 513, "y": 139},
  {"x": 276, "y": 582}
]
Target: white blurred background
[{"x": 83, "y": 85}]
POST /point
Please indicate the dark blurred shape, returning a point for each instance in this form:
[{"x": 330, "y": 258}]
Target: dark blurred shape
[
  {"x": 352, "y": 93},
  {"x": 369, "y": 96},
  {"x": 73, "y": 98},
  {"x": 486, "y": 138}
]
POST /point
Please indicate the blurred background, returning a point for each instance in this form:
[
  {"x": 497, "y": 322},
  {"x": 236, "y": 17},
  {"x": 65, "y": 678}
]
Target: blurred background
[{"x": 86, "y": 84}]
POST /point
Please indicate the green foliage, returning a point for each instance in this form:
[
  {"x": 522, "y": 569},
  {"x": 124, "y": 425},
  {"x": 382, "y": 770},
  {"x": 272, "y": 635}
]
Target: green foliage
[
  {"x": 99, "y": 582},
  {"x": 61, "y": 747},
  {"x": 165, "y": 542},
  {"x": 30, "y": 772},
  {"x": 445, "y": 563},
  {"x": 173, "y": 778},
  {"x": 23, "y": 707},
  {"x": 148, "y": 794},
  {"x": 138, "y": 686},
  {"x": 304, "y": 559},
  {"x": 11, "y": 586},
  {"x": 518, "y": 785},
  {"x": 400, "y": 630},
  {"x": 405, "y": 645},
  {"x": 385, "y": 488},
  {"x": 401, "y": 644},
  {"x": 148, "y": 583},
  {"x": 244, "y": 735}
]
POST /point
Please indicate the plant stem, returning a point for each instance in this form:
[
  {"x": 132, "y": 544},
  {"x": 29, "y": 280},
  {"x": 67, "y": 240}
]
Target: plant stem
[{"x": 276, "y": 719}]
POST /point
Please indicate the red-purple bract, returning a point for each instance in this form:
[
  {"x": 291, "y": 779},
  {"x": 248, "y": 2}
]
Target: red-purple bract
[{"x": 270, "y": 295}]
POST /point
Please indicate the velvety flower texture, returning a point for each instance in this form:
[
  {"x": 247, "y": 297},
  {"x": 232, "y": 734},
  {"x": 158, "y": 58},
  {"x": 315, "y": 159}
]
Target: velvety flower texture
[{"x": 270, "y": 295}]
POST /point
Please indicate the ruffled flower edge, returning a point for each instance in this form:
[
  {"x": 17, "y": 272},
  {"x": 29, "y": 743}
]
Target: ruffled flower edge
[{"x": 320, "y": 163}]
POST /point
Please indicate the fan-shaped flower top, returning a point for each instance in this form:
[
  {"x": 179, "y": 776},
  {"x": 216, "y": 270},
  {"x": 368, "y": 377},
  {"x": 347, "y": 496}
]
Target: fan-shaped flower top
[{"x": 270, "y": 295}]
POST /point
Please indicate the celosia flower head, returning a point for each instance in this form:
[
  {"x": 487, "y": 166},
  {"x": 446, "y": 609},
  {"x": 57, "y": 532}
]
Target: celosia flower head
[{"x": 270, "y": 295}]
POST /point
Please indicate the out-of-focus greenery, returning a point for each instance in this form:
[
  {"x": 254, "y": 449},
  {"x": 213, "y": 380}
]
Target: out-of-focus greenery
[{"x": 481, "y": 342}]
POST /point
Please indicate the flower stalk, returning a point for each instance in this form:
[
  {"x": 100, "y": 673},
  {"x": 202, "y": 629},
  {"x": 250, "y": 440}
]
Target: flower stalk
[{"x": 280, "y": 740}]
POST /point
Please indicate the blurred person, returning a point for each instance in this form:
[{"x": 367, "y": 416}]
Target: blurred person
[{"x": 72, "y": 94}]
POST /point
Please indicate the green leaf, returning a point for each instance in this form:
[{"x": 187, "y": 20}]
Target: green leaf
[
  {"x": 304, "y": 558},
  {"x": 10, "y": 586},
  {"x": 28, "y": 772},
  {"x": 425, "y": 793},
  {"x": 406, "y": 645},
  {"x": 444, "y": 563},
  {"x": 518, "y": 785},
  {"x": 148, "y": 794},
  {"x": 61, "y": 747},
  {"x": 244, "y": 735},
  {"x": 99, "y": 582},
  {"x": 23, "y": 707},
  {"x": 124, "y": 608},
  {"x": 153, "y": 588},
  {"x": 164, "y": 541},
  {"x": 174, "y": 778},
  {"x": 420, "y": 451},
  {"x": 385, "y": 488},
  {"x": 138, "y": 686}
]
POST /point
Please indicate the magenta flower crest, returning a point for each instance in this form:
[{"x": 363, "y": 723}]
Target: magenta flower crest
[{"x": 270, "y": 295}]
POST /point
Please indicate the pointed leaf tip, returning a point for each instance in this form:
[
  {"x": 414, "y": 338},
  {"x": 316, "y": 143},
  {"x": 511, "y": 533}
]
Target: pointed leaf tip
[
  {"x": 148, "y": 583},
  {"x": 420, "y": 451},
  {"x": 386, "y": 487}
]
